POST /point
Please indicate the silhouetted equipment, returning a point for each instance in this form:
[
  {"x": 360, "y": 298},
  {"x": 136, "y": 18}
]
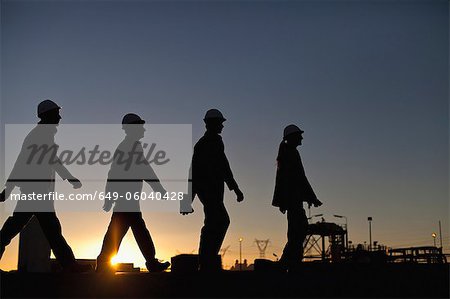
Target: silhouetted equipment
[
  {"x": 376, "y": 254},
  {"x": 419, "y": 255},
  {"x": 263, "y": 265},
  {"x": 242, "y": 266},
  {"x": 326, "y": 242},
  {"x": 315, "y": 243},
  {"x": 55, "y": 266},
  {"x": 262, "y": 246},
  {"x": 126, "y": 267},
  {"x": 186, "y": 263}
]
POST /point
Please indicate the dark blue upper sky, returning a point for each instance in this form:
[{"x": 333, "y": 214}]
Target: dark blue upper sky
[{"x": 366, "y": 80}]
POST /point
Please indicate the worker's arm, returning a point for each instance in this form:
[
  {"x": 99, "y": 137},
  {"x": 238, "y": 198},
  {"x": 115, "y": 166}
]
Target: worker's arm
[
  {"x": 228, "y": 174},
  {"x": 154, "y": 182},
  {"x": 310, "y": 196},
  {"x": 307, "y": 191},
  {"x": 64, "y": 173},
  {"x": 186, "y": 202},
  {"x": 149, "y": 176},
  {"x": 9, "y": 187}
]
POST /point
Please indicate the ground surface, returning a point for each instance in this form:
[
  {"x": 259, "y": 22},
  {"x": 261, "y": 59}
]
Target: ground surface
[{"x": 316, "y": 280}]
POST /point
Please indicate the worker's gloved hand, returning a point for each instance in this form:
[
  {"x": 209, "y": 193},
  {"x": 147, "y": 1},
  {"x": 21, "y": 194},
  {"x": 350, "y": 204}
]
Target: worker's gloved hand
[
  {"x": 283, "y": 210},
  {"x": 107, "y": 205},
  {"x": 186, "y": 204},
  {"x": 3, "y": 196},
  {"x": 239, "y": 195},
  {"x": 76, "y": 184},
  {"x": 187, "y": 213},
  {"x": 316, "y": 203}
]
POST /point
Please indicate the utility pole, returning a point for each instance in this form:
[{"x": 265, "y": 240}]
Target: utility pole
[
  {"x": 240, "y": 253},
  {"x": 440, "y": 233},
  {"x": 370, "y": 233},
  {"x": 262, "y": 246}
]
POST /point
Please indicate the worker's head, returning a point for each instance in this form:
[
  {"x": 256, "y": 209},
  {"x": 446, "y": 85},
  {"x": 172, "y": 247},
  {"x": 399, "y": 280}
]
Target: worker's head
[
  {"x": 133, "y": 125},
  {"x": 293, "y": 135},
  {"x": 214, "y": 121},
  {"x": 48, "y": 112}
]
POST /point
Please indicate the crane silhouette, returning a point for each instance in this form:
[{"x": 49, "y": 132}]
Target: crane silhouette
[{"x": 224, "y": 250}]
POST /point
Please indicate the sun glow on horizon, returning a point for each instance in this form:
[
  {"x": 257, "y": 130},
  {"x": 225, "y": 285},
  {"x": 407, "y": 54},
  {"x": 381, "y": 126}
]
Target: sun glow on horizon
[{"x": 114, "y": 260}]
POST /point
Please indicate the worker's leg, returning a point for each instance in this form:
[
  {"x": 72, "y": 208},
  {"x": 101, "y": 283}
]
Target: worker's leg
[
  {"x": 297, "y": 226},
  {"x": 213, "y": 231},
  {"x": 117, "y": 229},
  {"x": 221, "y": 224},
  {"x": 303, "y": 231},
  {"x": 52, "y": 230},
  {"x": 145, "y": 243},
  {"x": 12, "y": 227},
  {"x": 142, "y": 236}
]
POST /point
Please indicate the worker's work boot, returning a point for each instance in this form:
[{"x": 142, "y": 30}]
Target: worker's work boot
[
  {"x": 156, "y": 266},
  {"x": 104, "y": 268}
]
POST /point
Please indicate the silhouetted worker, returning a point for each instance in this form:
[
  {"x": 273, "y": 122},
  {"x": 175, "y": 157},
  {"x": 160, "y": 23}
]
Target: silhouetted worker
[
  {"x": 210, "y": 169},
  {"x": 128, "y": 171},
  {"x": 34, "y": 173},
  {"x": 291, "y": 190}
]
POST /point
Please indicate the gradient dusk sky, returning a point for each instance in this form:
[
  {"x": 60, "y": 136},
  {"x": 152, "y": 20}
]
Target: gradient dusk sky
[{"x": 368, "y": 82}]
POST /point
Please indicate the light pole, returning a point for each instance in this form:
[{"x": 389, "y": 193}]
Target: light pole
[
  {"x": 346, "y": 229},
  {"x": 434, "y": 238},
  {"x": 370, "y": 233},
  {"x": 240, "y": 253}
]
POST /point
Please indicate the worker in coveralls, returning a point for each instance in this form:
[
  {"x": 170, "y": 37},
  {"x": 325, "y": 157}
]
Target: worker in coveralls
[
  {"x": 210, "y": 169},
  {"x": 291, "y": 190},
  {"x": 34, "y": 173},
  {"x": 129, "y": 170}
]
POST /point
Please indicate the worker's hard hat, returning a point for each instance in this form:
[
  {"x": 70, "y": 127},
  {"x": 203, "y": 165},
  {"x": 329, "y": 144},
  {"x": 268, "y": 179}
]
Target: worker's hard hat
[
  {"x": 213, "y": 114},
  {"x": 291, "y": 129},
  {"x": 46, "y": 106},
  {"x": 132, "y": 118}
]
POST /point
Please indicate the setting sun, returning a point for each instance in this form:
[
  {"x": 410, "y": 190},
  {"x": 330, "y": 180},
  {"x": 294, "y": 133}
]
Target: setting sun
[
  {"x": 128, "y": 253},
  {"x": 114, "y": 260}
]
